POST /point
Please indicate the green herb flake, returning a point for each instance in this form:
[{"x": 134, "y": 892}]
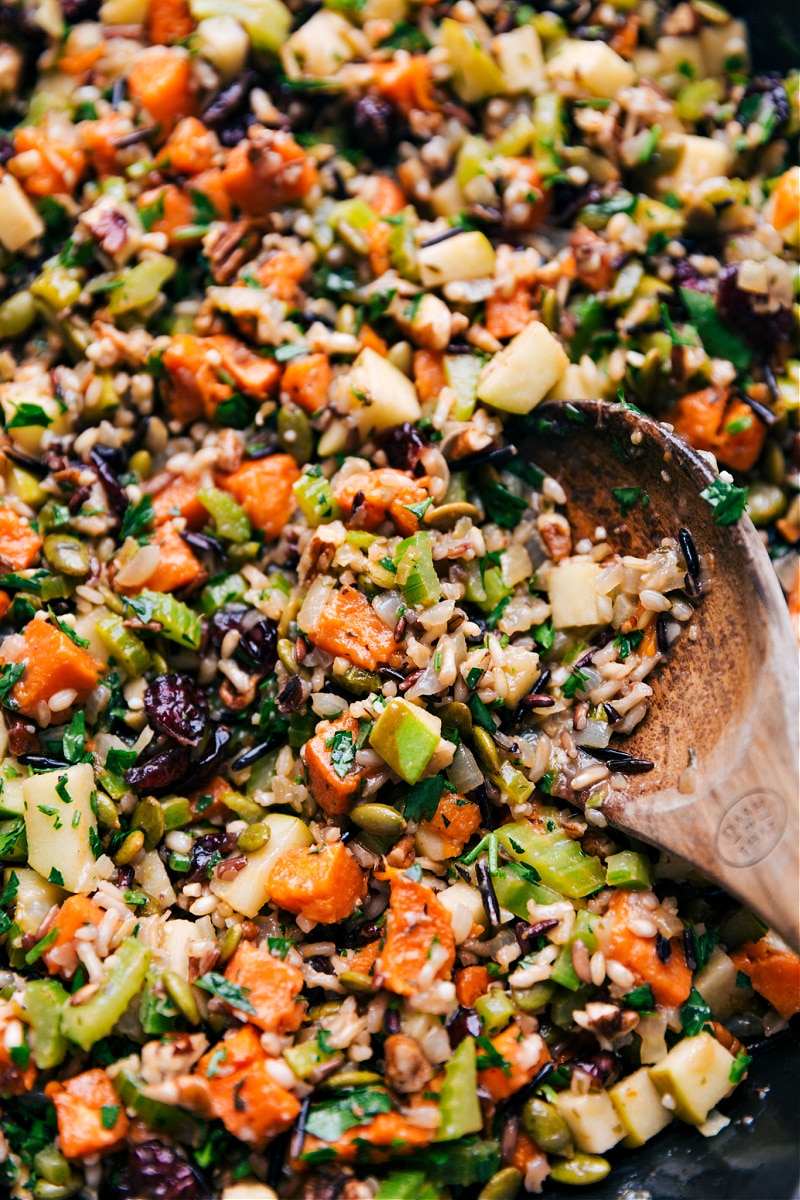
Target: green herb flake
[
  {"x": 56, "y": 877},
  {"x": 626, "y": 643},
  {"x": 9, "y": 675},
  {"x": 36, "y": 952},
  {"x": 328, "y": 1121},
  {"x": 343, "y": 751},
  {"x": 423, "y": 799},
  {"x": 279, "y": 947},
  {"x": 138, "y": 517},
  {"x": 108, "y": 1115},
  {"x": 224, "y": 990},
  {"x": 490, "y": 1056},
  {"x": 641, "y": 999},
  {"x": 694, "y": 1014},
  {"x": 627, "y": 498},
  {"x": 727, "y": 500}
]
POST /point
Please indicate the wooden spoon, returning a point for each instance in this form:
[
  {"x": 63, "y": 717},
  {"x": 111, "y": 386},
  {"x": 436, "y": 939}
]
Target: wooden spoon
[{"x": 727, "y": 694}]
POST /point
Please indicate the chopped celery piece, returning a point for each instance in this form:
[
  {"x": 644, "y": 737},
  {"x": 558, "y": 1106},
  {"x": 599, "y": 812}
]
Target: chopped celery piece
[
  {"x": 458, "y": 1098},
  {"x": 496, "y": 590},
  {"x": 315, "y": 497},
  {"x": 267, "y": 22},
  {"x": 403, "y": 248},
  {"x": 563, "y": 970},
  {"x": 513, "y": 891},
  {"x": 471, "y": 160},
  {"x": 243, "y": 806},
  {"x": 513, "y": 783},
  {"x": 467, "y": 1162},
  {"x": 547, "y": 124},
  {"x": 407, "y": 1185},
  {"x": 219, "y": 592},
  {"x": 157, "y": 1014},
  {"x": 416, "y": 574},
  {"x": 495, "y": 1010},
  {"x": 177, "y": 812},
  {"x": 157, "y": 1116},
  {"x": 406, "y": 737},
  {"x": 140, "y": 285},
  {"x": 629, "y": 869},
  {"x": 559, "y": 860},
  {"x": 461, "y": 372},
  {"x": 127, "y": 650},
  {"x": 179, "y": 623},
  {"x": 87, "y": 1023},
  {"x": 230, "y": 520},
  {"x": 44, "y": 1002},
  {"x": 476, "y": 591}
]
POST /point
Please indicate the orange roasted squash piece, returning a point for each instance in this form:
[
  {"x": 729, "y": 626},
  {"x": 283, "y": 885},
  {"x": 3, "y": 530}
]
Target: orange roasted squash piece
[
  {"x": 61, "y": 163},
  {"x": 774, "y": 973},
  {"x": 471, "y": 982},
  {"x": 349, "y": 625},
  {"x": 321, "y": 883},
  {"x": 270, "y": 986},
  {"x": 671, "y": 981},
  {"x": 178, "y": 499},
  {"x": 387, "y": 1134},
  {"x": 264, "y": 490},
  {"x": 419, "y": 947},
  {"x": 200, "y": 370},
  {"x": 306, "y": 381},
  {"x": 454, "y": 822},
  {"x": 508, "y": 315},
  {"x": 75, "y": 912},
  {"x": 84, "y": 1106},
  {"x": 20, "y": 543},
  {"x": 282, "y": 273},
  {"x": 168, "y": 21},
  {"x": 333, "y": 792},
  {"x": 266, "y": 170},
  {"x": 189, "y": 149},
  {"x": 522, "y": 1057},
  {"x": 711, "y": 420},
  {"x": 383, "y": 493},
  {"x": 53, "y": 663},
  {"x": 161, "y": 80},
  {"x": 242, "y": 1093},
  {"x": 429, "y": 374}
]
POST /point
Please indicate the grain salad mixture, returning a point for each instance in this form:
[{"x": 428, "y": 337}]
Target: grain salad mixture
[{"x": 311, "y": 699}]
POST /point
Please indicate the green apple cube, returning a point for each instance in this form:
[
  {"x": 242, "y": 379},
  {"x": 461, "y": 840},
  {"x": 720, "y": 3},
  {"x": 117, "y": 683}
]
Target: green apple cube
[
  {"x": 695, "y": 1075},
  {"x": 638, "y": 1102},
  {"x": 246, "y": 891},
  {"x": 62, "y": 828},
  {"x": 593, "y": 1120},
  {"x": 406, "y": 738}
]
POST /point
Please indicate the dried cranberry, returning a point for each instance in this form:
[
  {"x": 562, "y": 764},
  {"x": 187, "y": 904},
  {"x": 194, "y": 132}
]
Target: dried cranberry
[
  {"x": 603, "y": 1068},
  {"x": 766, "y": 104},
  {"x": 375, "y": 125},
  {"x": 6, "y": 149},
  {"x": 747, "y": 315},
  {"x": 164, "y": 769},
  {"x": 22, "y": 738},
  {"x": 209, "y": 760},
  {"x": 207, "y": 852},
  {"x": 110, "y": 464},
  {"x": 464, "y": 1022},
  {"x": 224, "y": 620},
  {"x": 293, "y": 695},
  {"x": 403, "y": 446},
  {"x": 230, "y": 102},
  {"x": 177, "y": 706},
  {"x": 258, "y": 645},
  {"x": 159, "y": 1172},
  {"x": 689, "y": 277}
]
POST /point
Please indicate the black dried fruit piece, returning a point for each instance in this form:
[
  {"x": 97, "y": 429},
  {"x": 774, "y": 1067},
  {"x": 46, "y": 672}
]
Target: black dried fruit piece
[
  {"x": 229, "y": 102},
  {"x": 110, "y": 465},
  {"x": 207, "y": 851},
  {"x": 163, "y": 770},
  {"x": 749, "y": 313},
  {"x": 177, "y": 706},
  {"x": 375, "y": 125},
  {"x": 258, "y": 646},
  {"x": 766, "y": 104},
  {"x": 159, "y": 1172},
  {"x": 603, "y": 1069},
  {"x": 208, "y": 762},
  {"x": 224, "y": 620},
  {"x": 689, "y": 277},
  {"x": 403, "y": 446},
  {"x": 464, "y": 1022}
]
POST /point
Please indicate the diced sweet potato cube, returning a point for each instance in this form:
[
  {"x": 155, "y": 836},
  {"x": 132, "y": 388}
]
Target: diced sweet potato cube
[
  {"x": 264, "y": 490},
  {"x": 270, "y": 985},
  {"x": 419, "y": 947},
  {"x": 244, "y": 1096},
  {"x": 349, "y": 626},
  {"x": 53, "y": 663},
  {"x": 20, "y": 543},
  {"x": 321, "y": 883},
  {"x": 91, "y": 1119}
]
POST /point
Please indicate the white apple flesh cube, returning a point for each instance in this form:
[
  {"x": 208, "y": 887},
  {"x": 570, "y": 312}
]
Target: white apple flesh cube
[
  {"x": 592, "y": 67},
  {"x": 593, "y": 1120},
  {"x": 696, "y": 1074},
  {"x": 380, "y": 394},
  {"x": 247, "y": 891},
  {"x": 638, "y": 1102},
  {"x": 521, "y": 375},
  {"x": 59, "y": 823},
  {"x": 459, "y": 258},
  {"x": 572, "y": 585}
]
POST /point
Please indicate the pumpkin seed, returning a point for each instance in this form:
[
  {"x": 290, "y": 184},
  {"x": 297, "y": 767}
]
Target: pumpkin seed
[
  {"x": 42, "y": 1190},
  {"x": 141, "y": 463},
  {"x": 182, "y": 996},
  {"x": 350, "y": 1078},
  {"x": 294, "y": 432},
  {"x": 544, "y": 1123},
  {"x": 17, "y": 314},
  {"x": 177, "y": 812},
  {"x": 66, "y": 554},
  {"x": 129, "y": 849},
  {"x": 149, "y": 817},
  {"x": 774, "y": 462},
  {"x": 356, "y": 981},
  {"x": 228, "y": 942},
  {"x": 580, "y": 1170},
  {"x": 504, "y": 1185},
  {"x": 254, "y": 837},
  {"x": 458, "y": 716},
  {"x": 380, "y": 819},
  {"x": 286, "y": 655},
  {"x": 486, "y": 750},
  {"x": 765, "y": 503},
  {"x": 359, "y": 682},
  {"x": 551, "y": 310},
  {"x": 107, "y": 816},
  {"x": 446, "y": 515}
]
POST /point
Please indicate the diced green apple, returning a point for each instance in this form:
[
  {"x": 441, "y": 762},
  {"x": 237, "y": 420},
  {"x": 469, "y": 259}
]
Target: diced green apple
[
  {"x": 593, "y": 1120},
  {"x": 406, "y": 737},
  {"x": 573, "y": 593},
  {"x": 475, "y": 73},
  {"x": 463, "y": 257},
  {"x": 521, "y": 375},
  {"x": 519, "y": 54},
  {"x": 695, "y": 1075},
  {"x": 62, "y": 828},
  {"x": 638, "y": 1102},
  {"x": 381, "y": 395},
  {"x": 35, "y": 897},
  {"x": 591, "y": 67}
]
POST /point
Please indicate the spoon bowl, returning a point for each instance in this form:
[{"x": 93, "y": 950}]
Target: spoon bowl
[{"x": 726, "y": 696}]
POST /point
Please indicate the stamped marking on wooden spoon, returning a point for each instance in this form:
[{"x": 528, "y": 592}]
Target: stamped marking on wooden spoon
[{"x": 750, "y": 828}]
